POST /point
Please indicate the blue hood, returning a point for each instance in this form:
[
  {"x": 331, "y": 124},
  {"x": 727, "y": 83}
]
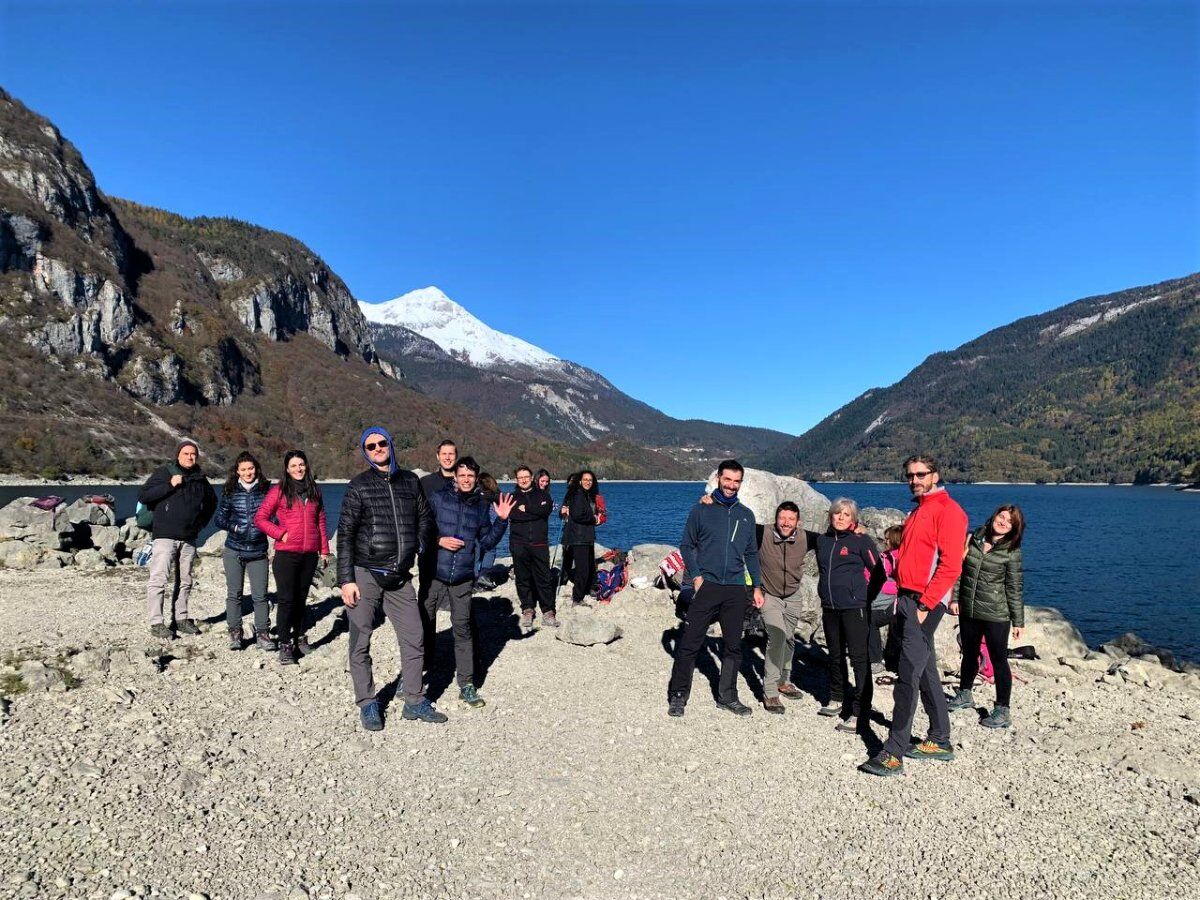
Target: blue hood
[{"x": 383, "y": 432}]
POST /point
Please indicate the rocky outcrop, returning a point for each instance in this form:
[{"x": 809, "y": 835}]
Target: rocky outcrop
[
  {"x": 314, "y": 301},
  {"x": 83, "y": 533}
]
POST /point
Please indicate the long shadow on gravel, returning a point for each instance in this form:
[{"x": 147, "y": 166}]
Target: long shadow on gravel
[
  {"x": 708, "y": 661},
  {"x": 494, "y": 623}
]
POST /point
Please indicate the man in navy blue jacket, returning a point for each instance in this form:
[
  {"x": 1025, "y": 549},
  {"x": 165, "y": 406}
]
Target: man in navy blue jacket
[
  {"x": 719, "y": 548},
  {"x": 463, "y": 526}
]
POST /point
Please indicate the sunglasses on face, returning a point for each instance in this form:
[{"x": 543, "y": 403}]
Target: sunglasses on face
[
  {"x": 909, "y": 476},
  {"x": 378, "y": 445}
]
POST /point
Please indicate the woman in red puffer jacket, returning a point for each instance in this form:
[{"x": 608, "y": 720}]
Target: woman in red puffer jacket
[{"x": 293, "y": 513}]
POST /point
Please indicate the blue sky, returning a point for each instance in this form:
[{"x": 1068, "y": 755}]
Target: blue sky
[{"x": 743, "y": 211}]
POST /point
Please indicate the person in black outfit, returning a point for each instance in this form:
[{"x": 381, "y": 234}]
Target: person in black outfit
[
  {"x": 383, "y": 516},
  {"x": 447, "y": 456},
  {"x": 528, "y": 538},
  {"x": 850, "y": 574},
  {"x": 579, "y": 532},
  {"x": 182, "y": 501}
]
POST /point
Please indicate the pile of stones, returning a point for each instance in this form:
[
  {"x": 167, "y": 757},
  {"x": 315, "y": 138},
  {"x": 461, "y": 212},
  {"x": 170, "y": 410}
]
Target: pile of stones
[{"x": 85, "y": 533}]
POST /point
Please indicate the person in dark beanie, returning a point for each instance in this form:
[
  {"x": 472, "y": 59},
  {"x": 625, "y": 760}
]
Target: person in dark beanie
[
  {"x": 293, "y": 513},
  {"x": 245, "y": 552},
  {"x": 181, "y": 501},
  {"x": 384, "y": 514}
]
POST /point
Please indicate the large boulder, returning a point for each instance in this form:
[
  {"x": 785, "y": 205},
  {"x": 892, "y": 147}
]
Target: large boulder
[
  {"x": 132, "y": 534},
  {"x": 215, "y": 545},
  {"x": 1046, "y": 629},
  {"x": 84, "y": 512},
  {"x": 644, "y": 560},
  {"x": 90, "y": 561},
  {"x": 107, "y": 540},
  {"x": 877, "y": 521},
  {"x": 20, "y": 554},
  {"x": 21, "y": 521},
  {"x": 764, "y": 491}
]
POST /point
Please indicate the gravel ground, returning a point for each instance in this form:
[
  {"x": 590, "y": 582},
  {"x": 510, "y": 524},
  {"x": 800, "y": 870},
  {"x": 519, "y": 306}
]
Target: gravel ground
[{"x": 187, "y": 769}]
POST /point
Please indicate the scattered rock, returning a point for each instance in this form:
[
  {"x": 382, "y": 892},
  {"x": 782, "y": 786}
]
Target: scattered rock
[
  {"x": 586, "y": 629},
  {"x": 90, "y": 560}
]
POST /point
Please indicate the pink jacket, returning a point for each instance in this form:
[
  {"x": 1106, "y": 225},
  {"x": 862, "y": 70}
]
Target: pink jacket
[{"x": 304, "y": 523}]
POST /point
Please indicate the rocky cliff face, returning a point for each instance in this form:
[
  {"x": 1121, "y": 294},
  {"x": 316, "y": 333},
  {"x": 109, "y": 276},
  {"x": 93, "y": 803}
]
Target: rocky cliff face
[{"x": 81, "y": 289}]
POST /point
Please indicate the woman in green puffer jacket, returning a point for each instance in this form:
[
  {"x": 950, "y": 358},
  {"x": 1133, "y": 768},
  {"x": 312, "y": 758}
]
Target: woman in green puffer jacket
[{"x": 988, "y": 599}]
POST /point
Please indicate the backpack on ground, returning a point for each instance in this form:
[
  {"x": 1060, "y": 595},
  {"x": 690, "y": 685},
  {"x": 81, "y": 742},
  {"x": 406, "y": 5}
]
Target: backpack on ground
[
  {"x": 670, "y": 572},
  {"x": 611, "y": 581}
]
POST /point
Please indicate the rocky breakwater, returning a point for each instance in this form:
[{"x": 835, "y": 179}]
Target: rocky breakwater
[{"x": 38, "y": 532}]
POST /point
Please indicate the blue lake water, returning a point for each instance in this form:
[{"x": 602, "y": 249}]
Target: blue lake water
[{"x": 1113, "y": 559}]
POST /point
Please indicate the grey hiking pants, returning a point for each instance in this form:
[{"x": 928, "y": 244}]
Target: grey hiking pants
[
  {"x": 236, "y": 570},
  {"x": 459, "y": 598},
  {"x": 780, "y": 616},
  {"x": 166, "y": 551},
  {"x": 401, "y": 609},
  {"x": 918, "y": 673}
]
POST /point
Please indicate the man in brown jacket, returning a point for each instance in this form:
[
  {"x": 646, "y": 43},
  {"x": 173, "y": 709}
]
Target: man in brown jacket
[{"x": 781, "y": 552}]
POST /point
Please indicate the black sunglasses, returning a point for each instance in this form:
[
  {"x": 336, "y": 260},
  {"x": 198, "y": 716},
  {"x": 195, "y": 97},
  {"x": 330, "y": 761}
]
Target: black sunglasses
[
  {"x": 378, "y": 445},
  {"x": 909, "y": 476}
]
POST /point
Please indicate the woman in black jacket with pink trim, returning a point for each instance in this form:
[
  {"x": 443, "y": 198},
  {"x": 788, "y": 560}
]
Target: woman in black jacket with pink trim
[{"x": 850, "y": 575}]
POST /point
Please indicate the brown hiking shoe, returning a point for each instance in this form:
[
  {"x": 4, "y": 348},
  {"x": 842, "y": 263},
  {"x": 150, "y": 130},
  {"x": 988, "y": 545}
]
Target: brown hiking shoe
[
  {"x": 527, "y": 620},
  {"x": 773, "y": 705},
  {"x": 789, "y": 690}
]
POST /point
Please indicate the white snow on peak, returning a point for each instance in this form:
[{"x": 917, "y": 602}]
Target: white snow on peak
[{"x": 435, "y": 316}]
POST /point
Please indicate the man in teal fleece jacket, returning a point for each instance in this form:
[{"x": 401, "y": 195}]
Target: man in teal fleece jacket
[{"x": 719, "y": 548}]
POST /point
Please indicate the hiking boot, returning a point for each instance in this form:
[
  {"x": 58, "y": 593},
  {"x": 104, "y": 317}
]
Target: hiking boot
[
  {"x": 790, "y": 691},
  {"x": 883, "y": 764},
  {"x": 832, "y": 708},
  {"x": 773, "y": 705},
  {"x": 264, "y": 641},
  {"x": 287, "y": 654},
  {"x": 161, "y": 631},
  {"x": 930, "y": 750},
  {"x": 370, "y": 716},
  {"x": 235, "y": 638},
  {"x": 527, "y": 620},
  {"x": 302, "y": 647},
  {"x": 187, "y": 626},
  {"x": 735, "y": 706},
  {"x": 550, "y": 620},
  {"x": 847, "y": 727},
  {"x": 961, "y": 700},
  {"x": 999, "y": 718},
  {"x": 676, "y": 704},
  {"x": 423, "y": 712},
  {"x": 468, "y": 695}
]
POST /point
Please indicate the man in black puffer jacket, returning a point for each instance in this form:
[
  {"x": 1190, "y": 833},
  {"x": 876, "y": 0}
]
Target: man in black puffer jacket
[
  {"x": 182, "y": 501},
  {"x": 384, "y": 514}
]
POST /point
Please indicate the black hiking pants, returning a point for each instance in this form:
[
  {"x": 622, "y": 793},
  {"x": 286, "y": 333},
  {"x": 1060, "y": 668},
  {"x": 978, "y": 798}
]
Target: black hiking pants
[
  {"x": 725, "y": 603},
  {"x": 531, "y": 570},
  {"x": 847, "y": 633},
  {"x": 584, "y": 559},
  {"x": 293, "y": 577},
  {"x": 974, "y": 631}
]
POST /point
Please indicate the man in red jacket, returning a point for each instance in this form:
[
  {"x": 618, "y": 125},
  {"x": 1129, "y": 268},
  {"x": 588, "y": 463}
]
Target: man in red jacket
[{"x": 930, "y": 554}]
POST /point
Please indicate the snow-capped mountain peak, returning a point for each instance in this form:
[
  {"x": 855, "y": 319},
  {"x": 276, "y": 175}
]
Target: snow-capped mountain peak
[{"x": 431, "y": 314}]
